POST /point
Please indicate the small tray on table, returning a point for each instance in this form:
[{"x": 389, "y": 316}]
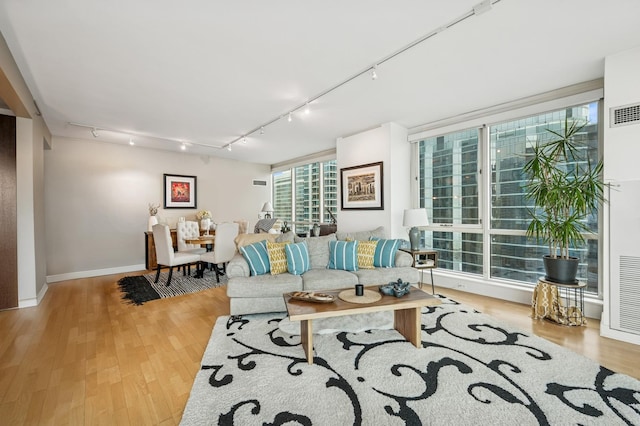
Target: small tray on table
[{"x": 309, "y": 296}]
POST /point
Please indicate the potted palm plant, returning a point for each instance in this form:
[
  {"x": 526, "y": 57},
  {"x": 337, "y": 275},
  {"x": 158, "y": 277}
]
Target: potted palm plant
[{"x": 566, "y": 188}]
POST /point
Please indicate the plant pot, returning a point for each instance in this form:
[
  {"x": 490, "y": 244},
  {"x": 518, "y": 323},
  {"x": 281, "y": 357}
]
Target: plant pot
[{"x": 561, "y": 271}]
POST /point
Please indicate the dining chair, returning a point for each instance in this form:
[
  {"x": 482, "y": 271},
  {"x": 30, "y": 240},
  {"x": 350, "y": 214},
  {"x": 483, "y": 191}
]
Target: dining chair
[
  {"x": 243, "y": 226},
  {"x": 184, "y": 231},
  {"x": 224, "y": 249},
  {"x": 165, "y": 254}
]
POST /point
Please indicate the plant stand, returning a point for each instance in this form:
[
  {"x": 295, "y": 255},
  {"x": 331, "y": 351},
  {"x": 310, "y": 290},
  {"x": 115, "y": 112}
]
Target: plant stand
[{"x": 560, "y": 303}]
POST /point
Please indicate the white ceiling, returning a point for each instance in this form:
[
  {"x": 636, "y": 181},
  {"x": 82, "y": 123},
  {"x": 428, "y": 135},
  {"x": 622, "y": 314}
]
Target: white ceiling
[{"x": 207, "y": 72}]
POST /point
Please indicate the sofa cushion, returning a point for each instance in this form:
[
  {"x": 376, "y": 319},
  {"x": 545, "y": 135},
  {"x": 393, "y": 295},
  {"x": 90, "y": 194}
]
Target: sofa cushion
[
  {"x": 362, "y": 235},
  {"x": 385, "y": 254},
  {"x": 297, "y": 258},
  {"x": 263, "y": 286},
  {"x": 381, "y": 276},
  {"x": 318, "y": 250},
  {"x": 277, "y": 257},
  {"x": 343, "y": 255},
  {"x": 366, "y": 251},
  {"x": 257, "y": 257},
  {"x": 328, "y": 279}
]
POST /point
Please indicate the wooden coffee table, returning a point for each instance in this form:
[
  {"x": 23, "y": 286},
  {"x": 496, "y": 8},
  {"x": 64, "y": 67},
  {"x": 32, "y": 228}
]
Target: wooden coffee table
[{"x": 407, "y": 311}]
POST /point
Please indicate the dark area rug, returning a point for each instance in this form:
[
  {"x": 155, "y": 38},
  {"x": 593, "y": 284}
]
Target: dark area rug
[{"x": 140, "y": 289}]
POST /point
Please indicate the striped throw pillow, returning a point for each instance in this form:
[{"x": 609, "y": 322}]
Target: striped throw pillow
[
  {"x": 343, "y": 255},
  {"x": 277, "y": 257},
  {"x": 366, "y": 252},
  {"x": 297, "y": 258},
  {"x": 257, "y": 257},
  {"x": 385, "y": 255}
]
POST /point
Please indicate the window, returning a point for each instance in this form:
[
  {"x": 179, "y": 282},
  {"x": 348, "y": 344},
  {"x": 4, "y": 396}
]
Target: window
[
  {"x": 305, "y": 194},
  {"x": 453, "y": 192}
]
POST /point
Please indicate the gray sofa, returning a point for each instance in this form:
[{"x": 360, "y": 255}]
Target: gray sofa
[{"x": 263, "y": 293}]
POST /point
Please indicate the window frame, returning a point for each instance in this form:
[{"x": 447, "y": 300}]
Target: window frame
[{"x": 483, "y": 121}]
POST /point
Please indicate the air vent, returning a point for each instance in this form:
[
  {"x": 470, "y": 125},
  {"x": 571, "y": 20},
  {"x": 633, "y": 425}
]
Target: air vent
[
  {"x": 629, "y": 293},
  {"x": 259, "y": 183},
  {"x": 624, "y": 115}
]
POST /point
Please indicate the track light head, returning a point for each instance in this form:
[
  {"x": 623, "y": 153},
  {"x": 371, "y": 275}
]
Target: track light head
[
  {"x": 94, "y": 132},
  {"x": 131, "y": 142},
  {"x": 374, "y": 74},
  {"x": 307, "y": 110},
  {"x": 262, "y": 130},
  {"x": 244, "y": 140},
  {"x": 183, "y": 147},
  {"x": 229, "y": 147},
  {"x": 289, "y": 118}
]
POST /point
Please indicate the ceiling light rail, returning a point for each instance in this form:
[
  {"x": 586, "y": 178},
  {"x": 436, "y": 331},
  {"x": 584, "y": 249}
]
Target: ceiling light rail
[
  {"x": 95, "y": 131},
  {"x": 478, "y": 9}
]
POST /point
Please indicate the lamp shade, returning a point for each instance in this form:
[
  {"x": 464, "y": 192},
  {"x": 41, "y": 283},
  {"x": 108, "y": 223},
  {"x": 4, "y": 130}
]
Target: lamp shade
[
  {"x": 267, "y": 207},
  {"x": 415, "y": 217}
]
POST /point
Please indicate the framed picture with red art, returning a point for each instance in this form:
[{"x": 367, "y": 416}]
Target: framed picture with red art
[{"x": 180, "y": 192}]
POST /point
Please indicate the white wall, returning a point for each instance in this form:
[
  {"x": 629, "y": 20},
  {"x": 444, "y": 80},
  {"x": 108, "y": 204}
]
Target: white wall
[
  {"x": 97, "y": 196},
  {"x": 31, "y": 132},
  {"x": 622, "y": 151},
  {"x": 387, "y": 143}
]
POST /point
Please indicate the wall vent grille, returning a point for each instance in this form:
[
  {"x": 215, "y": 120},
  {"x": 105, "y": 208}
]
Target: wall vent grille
[
  {"x": 624, "y": 115},
  {"x": 630, "y": 293},
  {"x": 259, "y": 183}
]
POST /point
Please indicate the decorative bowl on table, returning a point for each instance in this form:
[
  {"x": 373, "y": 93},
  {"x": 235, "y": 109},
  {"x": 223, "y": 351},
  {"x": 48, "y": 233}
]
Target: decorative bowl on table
[{"x": 396, "y": 288}]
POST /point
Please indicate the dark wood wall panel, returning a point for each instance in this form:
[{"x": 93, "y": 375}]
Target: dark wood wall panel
[{"x": 8, "y": 214}]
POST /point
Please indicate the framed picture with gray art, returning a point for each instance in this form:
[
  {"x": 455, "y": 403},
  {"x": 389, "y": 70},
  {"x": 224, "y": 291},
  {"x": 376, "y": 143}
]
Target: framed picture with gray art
[
  {"x": 180, "y": 192},
  {"x": 362, "y": 187}
]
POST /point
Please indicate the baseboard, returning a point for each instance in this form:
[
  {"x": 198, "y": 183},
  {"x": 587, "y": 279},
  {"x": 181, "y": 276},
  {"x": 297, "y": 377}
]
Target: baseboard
[
  {"x": 605, "y": 331},
  {"x": 34, "y": 301},
  {"x": 500, "y": 290},
  {"x": 95, "y": 273}
]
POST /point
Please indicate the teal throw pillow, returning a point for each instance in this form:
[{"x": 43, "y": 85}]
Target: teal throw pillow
[
  {"x": 297, "y": 258},
  {"x": 385, "y": 255},
  {"x": 343, "y": 255},
  {"x": 257, "y": 257}
]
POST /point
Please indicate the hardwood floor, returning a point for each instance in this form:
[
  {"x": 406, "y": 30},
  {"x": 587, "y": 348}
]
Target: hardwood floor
[{"x": 85, "y": 357}]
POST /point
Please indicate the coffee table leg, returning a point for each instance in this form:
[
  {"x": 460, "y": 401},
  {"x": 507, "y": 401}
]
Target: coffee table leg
[
  {"x": 407, "y": 322},
  {"x": 306, "y": 339}
]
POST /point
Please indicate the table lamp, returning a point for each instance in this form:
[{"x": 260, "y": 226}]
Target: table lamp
[
  {"x": 415, "y": 218},
  {"x": 267, "y": 208}
]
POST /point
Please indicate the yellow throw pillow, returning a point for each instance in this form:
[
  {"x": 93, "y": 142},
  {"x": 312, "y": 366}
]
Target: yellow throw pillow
[
  {"x": 277, "y": 257},
  {"x": 366, "y": 250}
]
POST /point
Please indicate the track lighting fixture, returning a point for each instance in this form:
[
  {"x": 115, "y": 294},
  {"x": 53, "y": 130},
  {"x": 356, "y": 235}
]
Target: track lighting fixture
[
  {"x": 183, "y": 147},
  {"x": 244, "y": 140},
  {"x": 94, "y": 132},
  {"x": 289, "y": 118},
  {"x": 307, "y": 110},
  {"x": 131, "y": 142},
  {"x": 374, "y": 74},
  {"x": 229, "y": 147},
  {"x": 262, "y": 130}
]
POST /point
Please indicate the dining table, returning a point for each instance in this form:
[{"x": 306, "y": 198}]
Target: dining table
[{"x": 207, "y": 240}]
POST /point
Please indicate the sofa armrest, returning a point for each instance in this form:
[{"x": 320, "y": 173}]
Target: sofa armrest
[
  {"x": 238, "y": 267},
  {"x": 403, "y": 259}
]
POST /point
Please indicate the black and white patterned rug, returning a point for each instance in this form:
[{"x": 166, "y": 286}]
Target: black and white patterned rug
[
  {"x": 140, "y": 289},
  {"x": 471, "y": 370}
]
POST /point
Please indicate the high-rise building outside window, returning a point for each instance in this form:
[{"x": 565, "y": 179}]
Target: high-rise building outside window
[
  {"x": 453, "y": 189},
  {"x": 305, "y": 194}
]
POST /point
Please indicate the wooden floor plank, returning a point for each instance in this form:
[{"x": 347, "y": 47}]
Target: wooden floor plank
[{"x": 84, "y": 356}]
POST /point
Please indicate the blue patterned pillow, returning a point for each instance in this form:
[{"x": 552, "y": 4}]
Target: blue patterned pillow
[
  {"x": 385, "y": 255},
  {"x": 343, "y": 255},
  {"x": 257, "y": 257},
  {"x": 297, "y": 258}
]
